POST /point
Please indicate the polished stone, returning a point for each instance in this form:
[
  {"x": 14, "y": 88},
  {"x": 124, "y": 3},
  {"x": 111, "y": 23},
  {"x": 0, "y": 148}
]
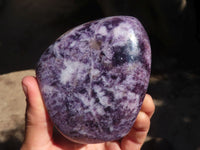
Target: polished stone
[{"x": 94, "y": 77}]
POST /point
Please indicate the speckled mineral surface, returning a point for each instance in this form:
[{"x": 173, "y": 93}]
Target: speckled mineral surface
[{"x": 94, "y": 77}]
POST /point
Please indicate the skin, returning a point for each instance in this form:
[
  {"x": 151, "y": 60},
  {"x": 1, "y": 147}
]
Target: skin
[{"x": 39, "y": 133}]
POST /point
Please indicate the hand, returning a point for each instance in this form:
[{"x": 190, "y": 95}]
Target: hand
[{"x": 39, "y": 129}]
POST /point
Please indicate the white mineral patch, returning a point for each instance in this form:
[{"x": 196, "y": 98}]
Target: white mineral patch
[
  {"x": 48, "y": 89},
  {"x": 99, "y": 110},
  {"x": 84, "y": 37},
  {"x": 72, "y": 44},
  {"x": 104, "y": 100},
  {"x": 95, "y": 72},
  {"x": 102, "y": 30},
  {"x": 56, "y": 48},
  {"x": 84, "y": 98},
  {"x": 120, "y": 91},
  {"x": 98, "y": 90},
  {"x": 130, "y": 104},
  {"x": 72, "y": 68},
  {"x": 121, "y": 31}
]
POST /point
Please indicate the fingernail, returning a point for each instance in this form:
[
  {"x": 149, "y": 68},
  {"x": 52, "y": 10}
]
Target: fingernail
[{"x": 25, "y": 89}]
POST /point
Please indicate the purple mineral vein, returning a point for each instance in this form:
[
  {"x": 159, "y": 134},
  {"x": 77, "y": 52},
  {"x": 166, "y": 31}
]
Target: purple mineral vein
[{"x": 94, "y": 77}]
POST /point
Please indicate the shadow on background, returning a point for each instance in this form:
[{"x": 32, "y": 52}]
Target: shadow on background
[
  {"x": 176, "y": 119},
  {"x": 12, "y": 138},
  {"x": 28, "y": 27}
]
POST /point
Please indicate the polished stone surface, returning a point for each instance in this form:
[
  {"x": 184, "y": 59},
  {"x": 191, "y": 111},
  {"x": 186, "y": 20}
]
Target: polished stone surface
[{"x": 94, "y": 77}]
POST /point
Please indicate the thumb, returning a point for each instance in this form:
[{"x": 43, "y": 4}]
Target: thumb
[{"x": 38, "y": 125}]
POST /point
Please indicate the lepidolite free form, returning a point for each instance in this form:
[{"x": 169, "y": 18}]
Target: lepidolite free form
[{"x": 93, "y": 79}]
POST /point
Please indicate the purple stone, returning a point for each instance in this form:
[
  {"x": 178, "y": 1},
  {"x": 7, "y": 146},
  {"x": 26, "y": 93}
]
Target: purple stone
[{"x": 93, "y": 79}]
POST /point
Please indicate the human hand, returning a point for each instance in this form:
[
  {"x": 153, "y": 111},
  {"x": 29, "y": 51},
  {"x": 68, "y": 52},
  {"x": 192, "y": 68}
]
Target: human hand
[{"x": 39, "y": 128}]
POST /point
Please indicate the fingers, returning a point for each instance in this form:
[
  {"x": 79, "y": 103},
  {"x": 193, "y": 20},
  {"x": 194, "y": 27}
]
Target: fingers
[
  {"x": 136, "y": 137},
  {"x": 148, "y": 105},
  {"x": 38, "y": 125},
  {"x": 138, "y": 133}
]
